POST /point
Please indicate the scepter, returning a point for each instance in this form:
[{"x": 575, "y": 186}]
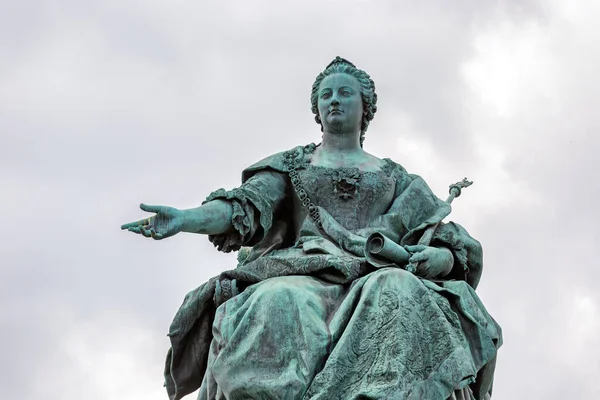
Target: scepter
[
  {"x": 383, "y": 252},
  {"x": 455, "y": 191}
]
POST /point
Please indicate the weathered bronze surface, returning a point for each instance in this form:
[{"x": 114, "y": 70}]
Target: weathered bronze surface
[{"x": 348, "y": 285}]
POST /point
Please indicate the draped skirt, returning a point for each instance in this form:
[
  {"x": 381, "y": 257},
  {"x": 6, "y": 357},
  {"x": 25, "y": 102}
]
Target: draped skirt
[{"x": 388, "y": 335}]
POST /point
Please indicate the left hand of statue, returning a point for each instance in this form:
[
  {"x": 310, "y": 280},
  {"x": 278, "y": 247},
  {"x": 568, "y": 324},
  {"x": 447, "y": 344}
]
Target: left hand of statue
[{"x": 432, "y": 262}]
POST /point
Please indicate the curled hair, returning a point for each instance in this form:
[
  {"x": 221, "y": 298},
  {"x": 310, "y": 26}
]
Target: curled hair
[{"x": 367, "y": 91}]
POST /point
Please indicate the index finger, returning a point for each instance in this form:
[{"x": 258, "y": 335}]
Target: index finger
[
  {"x": 416, "y": 248},
  {"x": 418, "y": 257},
  {"x": 136, "y": 223}
]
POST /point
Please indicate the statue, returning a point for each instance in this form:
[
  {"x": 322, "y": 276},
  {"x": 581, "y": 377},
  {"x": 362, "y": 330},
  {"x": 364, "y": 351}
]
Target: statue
[{"x": 316, "y": 309}]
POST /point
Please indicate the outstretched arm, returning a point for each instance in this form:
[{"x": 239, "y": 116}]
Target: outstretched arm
[
  {"x": 212, "y": 218},
  {"x": 230, "y": 218}
]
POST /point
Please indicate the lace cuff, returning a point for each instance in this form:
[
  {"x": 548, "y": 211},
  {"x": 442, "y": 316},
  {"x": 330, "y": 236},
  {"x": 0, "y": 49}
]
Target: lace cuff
[
  {"x": 241, "y": 220},
  {"x": 466, "y": 250}
]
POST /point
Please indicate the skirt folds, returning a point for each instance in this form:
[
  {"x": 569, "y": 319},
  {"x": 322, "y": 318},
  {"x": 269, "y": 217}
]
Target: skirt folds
[{"x": 388, "y": 335}]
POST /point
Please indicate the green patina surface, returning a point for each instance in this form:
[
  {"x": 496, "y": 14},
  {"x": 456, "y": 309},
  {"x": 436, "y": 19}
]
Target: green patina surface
[{"x": 308, "y": 313}]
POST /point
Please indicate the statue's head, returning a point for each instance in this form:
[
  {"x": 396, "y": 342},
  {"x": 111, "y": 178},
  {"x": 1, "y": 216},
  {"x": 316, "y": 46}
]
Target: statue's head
[{"x": 364, "y": 84}]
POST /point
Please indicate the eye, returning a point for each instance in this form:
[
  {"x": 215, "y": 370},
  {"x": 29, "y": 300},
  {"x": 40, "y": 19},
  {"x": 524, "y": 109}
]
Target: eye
[
  {"x": 346, "y": 92},
  {"x": 326, "y": 95}
]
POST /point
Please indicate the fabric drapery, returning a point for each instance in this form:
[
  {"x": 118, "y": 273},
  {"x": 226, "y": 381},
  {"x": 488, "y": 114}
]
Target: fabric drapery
[{"x": 328, "y": 264}]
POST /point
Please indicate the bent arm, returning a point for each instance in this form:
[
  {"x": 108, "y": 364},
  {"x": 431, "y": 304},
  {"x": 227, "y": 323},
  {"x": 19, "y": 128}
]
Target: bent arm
[{"x": 212, "y": 218}]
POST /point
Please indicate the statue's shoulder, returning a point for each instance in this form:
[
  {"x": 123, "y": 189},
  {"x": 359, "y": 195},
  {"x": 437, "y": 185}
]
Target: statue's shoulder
[
  {"x": 397, "y": 170},
  {"x": 393, "y": 166},
  {"x": 276, "y": 162},
  {"x": 403, "y": 178}
]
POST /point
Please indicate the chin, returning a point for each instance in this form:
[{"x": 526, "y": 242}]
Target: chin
[
  {"x": 336, "y": 125},
  {"x": 337, "y": 120}
]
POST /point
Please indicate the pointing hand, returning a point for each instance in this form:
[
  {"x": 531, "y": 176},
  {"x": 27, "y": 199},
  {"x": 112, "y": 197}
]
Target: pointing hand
[{"x": 167, "y": 222}]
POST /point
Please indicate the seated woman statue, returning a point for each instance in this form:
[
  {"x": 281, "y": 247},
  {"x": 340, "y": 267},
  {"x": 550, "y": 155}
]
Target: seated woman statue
[{"x": 305, "y": 315}]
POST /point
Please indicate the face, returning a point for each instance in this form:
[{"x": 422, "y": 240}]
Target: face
[{"x": 340, "y": 103}]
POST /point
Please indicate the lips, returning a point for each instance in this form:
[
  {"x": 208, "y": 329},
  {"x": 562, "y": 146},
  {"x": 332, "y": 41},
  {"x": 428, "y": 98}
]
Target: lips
[{"x": 335, "y": 111}]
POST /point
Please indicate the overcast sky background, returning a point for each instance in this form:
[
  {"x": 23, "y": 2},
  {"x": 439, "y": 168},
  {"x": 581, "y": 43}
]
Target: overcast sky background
[{"x": 105, "y": 104}]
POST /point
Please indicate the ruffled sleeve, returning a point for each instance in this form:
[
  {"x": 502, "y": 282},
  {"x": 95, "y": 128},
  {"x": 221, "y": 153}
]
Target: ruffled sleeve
[
  {"x": 468, "y": 253},
  {"x": 254, "y": 205}
]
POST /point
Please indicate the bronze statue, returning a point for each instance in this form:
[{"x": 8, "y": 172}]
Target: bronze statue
[{"x": 315, "y": 309}]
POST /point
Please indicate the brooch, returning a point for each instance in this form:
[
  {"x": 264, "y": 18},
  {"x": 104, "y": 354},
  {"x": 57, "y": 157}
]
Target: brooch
[{"x": 346, "y": 182}]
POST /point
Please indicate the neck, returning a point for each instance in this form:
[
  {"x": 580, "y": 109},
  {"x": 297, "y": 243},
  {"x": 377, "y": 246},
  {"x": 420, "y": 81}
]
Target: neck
[{"x": 341, "y": 141}]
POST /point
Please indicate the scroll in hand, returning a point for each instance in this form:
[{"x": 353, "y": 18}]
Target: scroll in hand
[{"x": 432, "y": 262}]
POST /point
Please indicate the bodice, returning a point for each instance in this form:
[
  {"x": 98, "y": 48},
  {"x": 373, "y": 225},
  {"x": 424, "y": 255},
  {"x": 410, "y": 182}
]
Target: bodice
[{"x": 352, "y": 197}]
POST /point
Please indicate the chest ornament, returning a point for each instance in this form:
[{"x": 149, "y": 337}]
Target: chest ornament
[{"x": 346, "y": 182}]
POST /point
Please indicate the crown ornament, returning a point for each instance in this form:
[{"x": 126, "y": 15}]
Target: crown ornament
[{"x": 340, "y": 60}]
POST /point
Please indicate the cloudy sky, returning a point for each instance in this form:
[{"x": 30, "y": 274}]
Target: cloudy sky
[{"x": 105, "y": 104}]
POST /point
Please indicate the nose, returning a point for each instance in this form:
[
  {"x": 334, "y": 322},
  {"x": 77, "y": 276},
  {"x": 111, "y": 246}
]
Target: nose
[{"x": 334, "y": 101}]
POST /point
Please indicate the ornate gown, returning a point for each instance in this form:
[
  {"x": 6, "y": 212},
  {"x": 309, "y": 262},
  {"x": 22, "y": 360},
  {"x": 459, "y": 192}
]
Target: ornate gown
[{"x": 305, "y": 316}]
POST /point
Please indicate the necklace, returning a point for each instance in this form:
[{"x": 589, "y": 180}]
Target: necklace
[{"x": 292, "y": 159}]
